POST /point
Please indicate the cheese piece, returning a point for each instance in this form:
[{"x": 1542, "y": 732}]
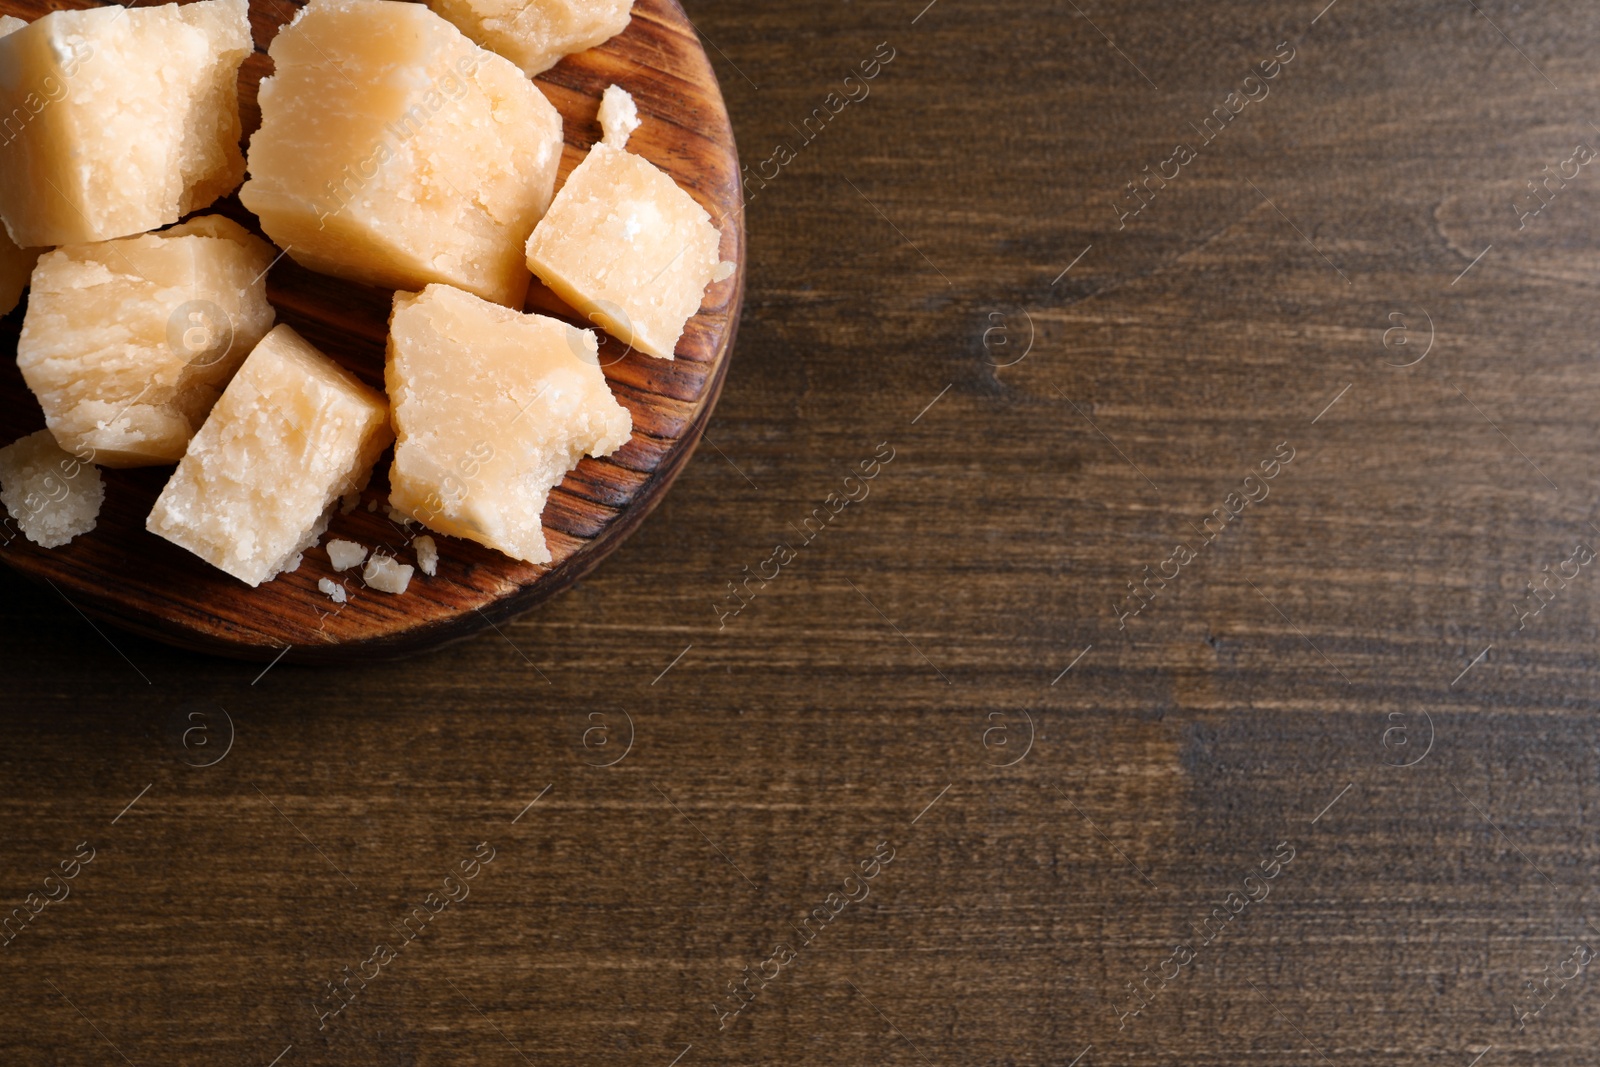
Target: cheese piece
[
  {"x": 491, "y": 408},
  {"x": 52, "y": 495},
  {"x": 332, "y": 590},
  {"x": 627, "y": 247},
  {"x": 387, "y": 574},
  {"x": 395, "y": 152},
  {"x": 345, "y": 554},
  {"x": 427, "y": 555},
  {"x": 128, "y": 343},
  {"x": 292, "y": 433},
  {"x": 537, "y": 34},
  {"x": 16, "y": 264},
  {"x": 619, "y": 116},
  {"x": 118, "y": 120}
]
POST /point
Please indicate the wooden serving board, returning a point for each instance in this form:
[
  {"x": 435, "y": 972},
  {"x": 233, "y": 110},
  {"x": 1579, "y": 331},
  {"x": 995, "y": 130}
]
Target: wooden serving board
[{"x": 124, "y": 575}]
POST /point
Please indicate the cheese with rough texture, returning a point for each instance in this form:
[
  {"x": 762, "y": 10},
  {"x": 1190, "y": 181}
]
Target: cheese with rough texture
[
  {"x": 491, "y": 409},
  {"x": 345, "y": 554},
  {"x": 128, "y": 343},
  {"x": 387, "y": 574},
  {"x": 16, "y": 264},
  {"x": 118, "y": 120},
  {"x": 627, "y": 247},
  {"x": 51, "y": 494},
  {"x": 427, "y": 550},
  {"x": 293, "y": 433},
  {"x": 619, "y": 116},
  {"x": 395, "y": 152},
  {"x": 537, "y": 34}
]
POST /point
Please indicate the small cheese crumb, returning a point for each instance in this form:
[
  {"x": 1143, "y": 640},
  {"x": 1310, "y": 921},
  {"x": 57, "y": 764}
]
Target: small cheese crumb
[
  {"x": 398, "y": 516},
  {"x": 619, "y": 116},
  {"x": 427, "y": 555},
  {"x": 724, "y": 270},
  {"x": 372, "y": 505},
  {"x": 387, "y": 574},
  {"x": 351, "y": 501},
  {"x": 345, "y": 554},
  {"x": 334, "y": 590},
  {"x": 53, "y": 495}
]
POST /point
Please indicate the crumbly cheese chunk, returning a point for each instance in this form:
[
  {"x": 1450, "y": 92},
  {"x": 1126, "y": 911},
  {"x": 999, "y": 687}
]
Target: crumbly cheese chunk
[
  {"x": 128, "y": 343},
  {"x": 332, "y": 590},
  {"x": 627, "y": 247},
  {"x": 427, "y": 550},
  {"x": 16, "y": 264},
  {"x": 537, "y": 34},
  {"x": 51, "y": 494},
  {"x": 395, "y": 152},
  {"x": 293, "y": 432},
  {"x": 387, "y": 574},
  {"x": 491, "y": 408},
  {"x": 619, "y": 116},
  {"x": 345, "y": 554},
  {"x": 118, "y": 120}
]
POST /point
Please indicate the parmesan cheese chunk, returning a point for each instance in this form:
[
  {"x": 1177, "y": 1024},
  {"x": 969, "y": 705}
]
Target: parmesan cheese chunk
[
  {"x": 387, "y": 574},
  {"x": 292, "y": 433},
  {"x": 619, "y": 116},
  {"x": 537, "y": 34},
  {"x": 16, "y": 264},
  {"x": 492, "y": 408},
  {"x": 332, "y": 590},
  {"x": 128, "y": 343},
  {"x": 345, "y": 554},
  {"x": 427, "y": 554},
  {"x": 395, "y": 152},
  {"x": 117, "y": 120},
  {"x": 627, "y": 247},
  {"x": 52, "y": 495}
]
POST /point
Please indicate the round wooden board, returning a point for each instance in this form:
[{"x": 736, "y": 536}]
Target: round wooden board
[{"x": 124, "y": 575}]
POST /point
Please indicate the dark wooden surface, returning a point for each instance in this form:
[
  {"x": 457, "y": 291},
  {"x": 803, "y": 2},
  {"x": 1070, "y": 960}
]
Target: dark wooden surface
[
  {"x": 1254, "y": 702},
  {"x": 122, "y": 574}
]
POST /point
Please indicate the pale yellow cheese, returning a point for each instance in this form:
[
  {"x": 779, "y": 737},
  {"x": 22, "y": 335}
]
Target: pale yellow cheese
[
  {"x": 619, "y": 116},
  {"x": 627, "y": 247},
  {"x": 128, "y": 343},
  {"x": 491, "y": 408},
  {"x": 53, "y": 495},
  {"x": 536, "y": 34},
  {"x": 15, "y": 263},
  {"x": 118, "y": 120},
  {"x": 293, "y": 432},
  {"x": 393, "y": 151},
  {"x": 387, "y": 574}
]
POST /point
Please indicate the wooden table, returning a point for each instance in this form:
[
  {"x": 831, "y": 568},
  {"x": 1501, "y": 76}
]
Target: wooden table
[{"x": 1091, "y": 812}]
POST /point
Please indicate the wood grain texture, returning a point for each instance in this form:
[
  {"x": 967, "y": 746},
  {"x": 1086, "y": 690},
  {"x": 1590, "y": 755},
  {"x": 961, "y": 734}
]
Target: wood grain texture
[
  {"x": 1272, "y": 693},
  {"x": 122, "y": 574}
]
